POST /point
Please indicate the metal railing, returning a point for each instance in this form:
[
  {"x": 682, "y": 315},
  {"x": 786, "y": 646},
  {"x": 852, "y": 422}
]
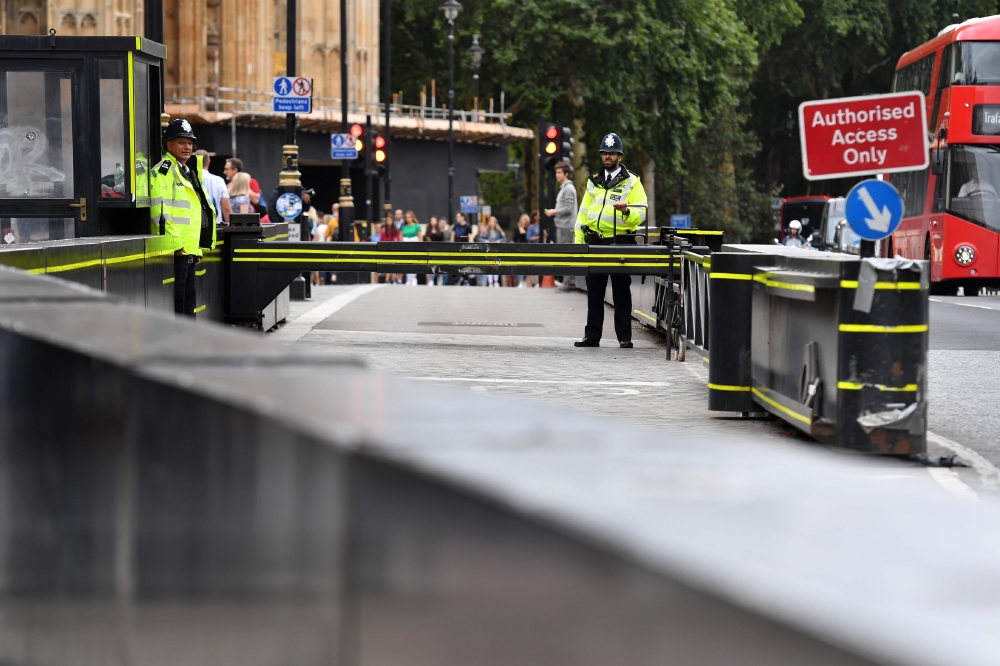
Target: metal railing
[{"x": 243, "y": 101}]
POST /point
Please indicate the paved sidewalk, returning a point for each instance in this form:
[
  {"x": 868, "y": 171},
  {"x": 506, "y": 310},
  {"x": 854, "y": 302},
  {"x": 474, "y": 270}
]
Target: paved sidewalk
[{"x": 519, "y": 343}]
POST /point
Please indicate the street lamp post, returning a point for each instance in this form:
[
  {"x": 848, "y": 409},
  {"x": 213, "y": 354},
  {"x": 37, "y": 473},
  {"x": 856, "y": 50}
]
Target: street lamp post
[
  {"x": 789, "y": 128},
  {"x": 346, "y": 221},
  {"x": 476, "y": 55},
  {"x": 451, "y": 8},
  {"x": 387, "y": 75}
]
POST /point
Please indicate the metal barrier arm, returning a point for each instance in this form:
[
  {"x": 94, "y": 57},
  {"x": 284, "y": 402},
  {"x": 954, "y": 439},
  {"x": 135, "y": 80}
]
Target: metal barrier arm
[{"x": 258, "y": 271}]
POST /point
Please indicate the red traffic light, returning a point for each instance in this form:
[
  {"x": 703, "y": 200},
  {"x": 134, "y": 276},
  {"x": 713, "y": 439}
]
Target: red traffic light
[
  {"x": 552, "y": 132},
  {"x": 357, "y": 130},
  {"x": 379, "y": 141}
]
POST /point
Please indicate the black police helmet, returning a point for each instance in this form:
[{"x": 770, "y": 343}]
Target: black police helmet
[
  {"x": 178, "y": 128},
  {"x": 612, "y": 143}
]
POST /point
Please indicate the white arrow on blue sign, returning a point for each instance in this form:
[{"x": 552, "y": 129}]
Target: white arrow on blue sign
[{"x": 874, "y": 209}]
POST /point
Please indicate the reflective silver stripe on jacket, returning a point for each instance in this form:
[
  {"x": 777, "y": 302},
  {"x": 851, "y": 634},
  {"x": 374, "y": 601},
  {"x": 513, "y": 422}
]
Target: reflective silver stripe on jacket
[{"x": 176, "y": 219}]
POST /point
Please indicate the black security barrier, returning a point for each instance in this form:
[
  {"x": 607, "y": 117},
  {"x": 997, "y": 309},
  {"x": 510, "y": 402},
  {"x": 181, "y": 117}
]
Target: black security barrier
[
  {"x": 696, "y": 266},
  {"x": 843, "y": 356},
  {"x": 257, "y": 271},
  {"x": 159, "y": 504},
  {"x": 840, "y": 356},
  {"x": 730, "y": 289},
  {"x": 139, "y": 270}
]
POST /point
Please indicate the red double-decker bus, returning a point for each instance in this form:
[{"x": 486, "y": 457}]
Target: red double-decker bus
[{"x": 952, "y": 208}]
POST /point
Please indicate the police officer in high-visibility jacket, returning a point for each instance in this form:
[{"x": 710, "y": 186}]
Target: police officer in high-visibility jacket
[
  {"x": 612, "y": 208},
  {"x": 182, "y": 209}
]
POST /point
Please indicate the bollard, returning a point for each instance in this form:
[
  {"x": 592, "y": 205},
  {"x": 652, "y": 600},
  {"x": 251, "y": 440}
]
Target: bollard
[{"x": 731, "y": 290}]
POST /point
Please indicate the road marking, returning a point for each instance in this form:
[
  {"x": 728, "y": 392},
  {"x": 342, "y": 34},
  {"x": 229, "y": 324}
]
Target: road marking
[
  {"x": 948, "y": 479},
  {"x": 567, "y": 382},
  {"x": 964, "y": 305},
  {"x": 697, "y": 375},
  {"x": 297, "y": 328},
  {"x": 988, "y": 472}
]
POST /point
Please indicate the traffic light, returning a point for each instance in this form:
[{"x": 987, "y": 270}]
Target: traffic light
[
  {"x": 557, "y": 145},
  {"x": 566, "y": 146},
  {"x": 357, "y": 131},
  {"x": 550, "y": 145},
  {"x": 381, "y": 150}
]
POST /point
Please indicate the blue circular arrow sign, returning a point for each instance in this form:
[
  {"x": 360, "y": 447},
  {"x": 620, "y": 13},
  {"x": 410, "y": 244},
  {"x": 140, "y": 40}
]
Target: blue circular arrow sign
[{"x": 874, "y": 209}]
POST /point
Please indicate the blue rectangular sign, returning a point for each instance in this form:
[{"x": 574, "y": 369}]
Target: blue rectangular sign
[
  {"x": 293, "y": 105},
  {"x": 682, "y": 221},
  {"x": 343, "y": 147},
  {"x": 469, "y": 204}
]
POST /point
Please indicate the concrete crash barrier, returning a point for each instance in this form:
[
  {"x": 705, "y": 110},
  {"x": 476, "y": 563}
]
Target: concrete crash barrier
[
  {"x": 175, "y": 493},
  {"x": 833, "y": 344},
  {"x": 139, "y": 270}
]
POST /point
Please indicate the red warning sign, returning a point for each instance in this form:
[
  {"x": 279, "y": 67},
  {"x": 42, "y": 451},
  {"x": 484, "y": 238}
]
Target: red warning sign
[
  {"x": 856, "y": 136},
  {"x": 302, "y": 87}
]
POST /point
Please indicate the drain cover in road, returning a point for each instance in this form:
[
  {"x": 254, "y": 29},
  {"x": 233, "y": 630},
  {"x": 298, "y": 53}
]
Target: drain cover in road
[{"x": 479, "y": 323}]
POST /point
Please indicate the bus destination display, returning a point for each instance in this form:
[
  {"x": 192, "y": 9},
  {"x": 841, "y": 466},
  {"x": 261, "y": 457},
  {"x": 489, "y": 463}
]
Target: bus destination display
[{"x": 855, "y": 136}]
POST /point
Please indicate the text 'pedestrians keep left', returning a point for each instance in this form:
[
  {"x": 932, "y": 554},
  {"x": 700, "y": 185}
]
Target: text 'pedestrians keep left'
[
  {"x": 292, "y": 94},
  {"x": 856, "y": 136}
]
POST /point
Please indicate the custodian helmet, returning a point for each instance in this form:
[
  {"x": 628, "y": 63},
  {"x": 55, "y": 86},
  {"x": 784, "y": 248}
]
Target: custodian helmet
[
  {"x": 612, "y": 143},
  {"x": 178, "y": 128}
]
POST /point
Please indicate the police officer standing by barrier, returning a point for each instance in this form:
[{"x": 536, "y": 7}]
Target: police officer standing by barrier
[
  {"x": 612, "y": 209},
  {"x": 182, "y": 208}
]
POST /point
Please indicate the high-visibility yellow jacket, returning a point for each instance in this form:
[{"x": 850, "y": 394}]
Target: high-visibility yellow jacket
[
  {"x": 176, "y": 201},
  {"x": 597, "y": 208}
]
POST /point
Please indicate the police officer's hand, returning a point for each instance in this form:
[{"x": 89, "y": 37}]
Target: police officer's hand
[{"x": 622, "y": 207}]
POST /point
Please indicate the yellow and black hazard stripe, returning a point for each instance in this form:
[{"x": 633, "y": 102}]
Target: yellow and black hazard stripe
[{"x": 639, "y": 260}]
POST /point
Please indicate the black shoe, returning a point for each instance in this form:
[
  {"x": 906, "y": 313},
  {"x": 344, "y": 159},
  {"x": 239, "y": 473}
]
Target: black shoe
[
  {"x": 587, "y": 343},
  {"x": 625, "y": 345}
]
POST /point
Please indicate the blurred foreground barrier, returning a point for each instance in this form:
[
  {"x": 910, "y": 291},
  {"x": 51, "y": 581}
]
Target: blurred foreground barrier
[
  {"x": 139, "y": 270},
  {"x": 833, "y": 344},
  {"x": 182, "y": 494}
]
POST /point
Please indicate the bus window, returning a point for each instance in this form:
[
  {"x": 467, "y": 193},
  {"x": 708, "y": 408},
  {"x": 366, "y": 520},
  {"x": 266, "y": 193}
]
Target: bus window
[
  {"x": 973, "y": 183},
  {"x": 978, "y": 64},
  {"x": 915, "y": 76},
  {"x": 912, "y": 188}
]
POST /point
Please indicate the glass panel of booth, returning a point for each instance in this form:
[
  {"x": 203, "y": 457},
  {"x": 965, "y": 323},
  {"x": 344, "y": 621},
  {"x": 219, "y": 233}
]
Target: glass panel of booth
[
  {"x": 36, "y": 134},
  {"x": 140, "y": 97},
  {"x": 111, "y": 74},
  {"x": 17, "y": 230}
]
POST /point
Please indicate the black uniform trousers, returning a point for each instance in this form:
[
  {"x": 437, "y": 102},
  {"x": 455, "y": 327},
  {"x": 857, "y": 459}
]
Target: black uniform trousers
[
  {"x": 184, "y": 292},
  {"x": 621, "y": 290}
]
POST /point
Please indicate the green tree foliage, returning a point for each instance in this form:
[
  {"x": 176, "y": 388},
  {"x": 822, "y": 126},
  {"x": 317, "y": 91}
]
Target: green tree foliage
[
  {"x": 842, "y": 48},
  {"x": 700, "y": 87},
  {"x": 657, "y": 72}
]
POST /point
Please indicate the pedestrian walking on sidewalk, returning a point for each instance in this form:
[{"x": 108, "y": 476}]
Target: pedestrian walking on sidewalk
[
  {"x": 612, "y": 209},
  {"x": 565, "y": 214}
]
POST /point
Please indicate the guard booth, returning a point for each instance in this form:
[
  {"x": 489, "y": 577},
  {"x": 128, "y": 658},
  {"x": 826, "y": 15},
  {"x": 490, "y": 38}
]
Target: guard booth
[{"x": 79, "y": 132}]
